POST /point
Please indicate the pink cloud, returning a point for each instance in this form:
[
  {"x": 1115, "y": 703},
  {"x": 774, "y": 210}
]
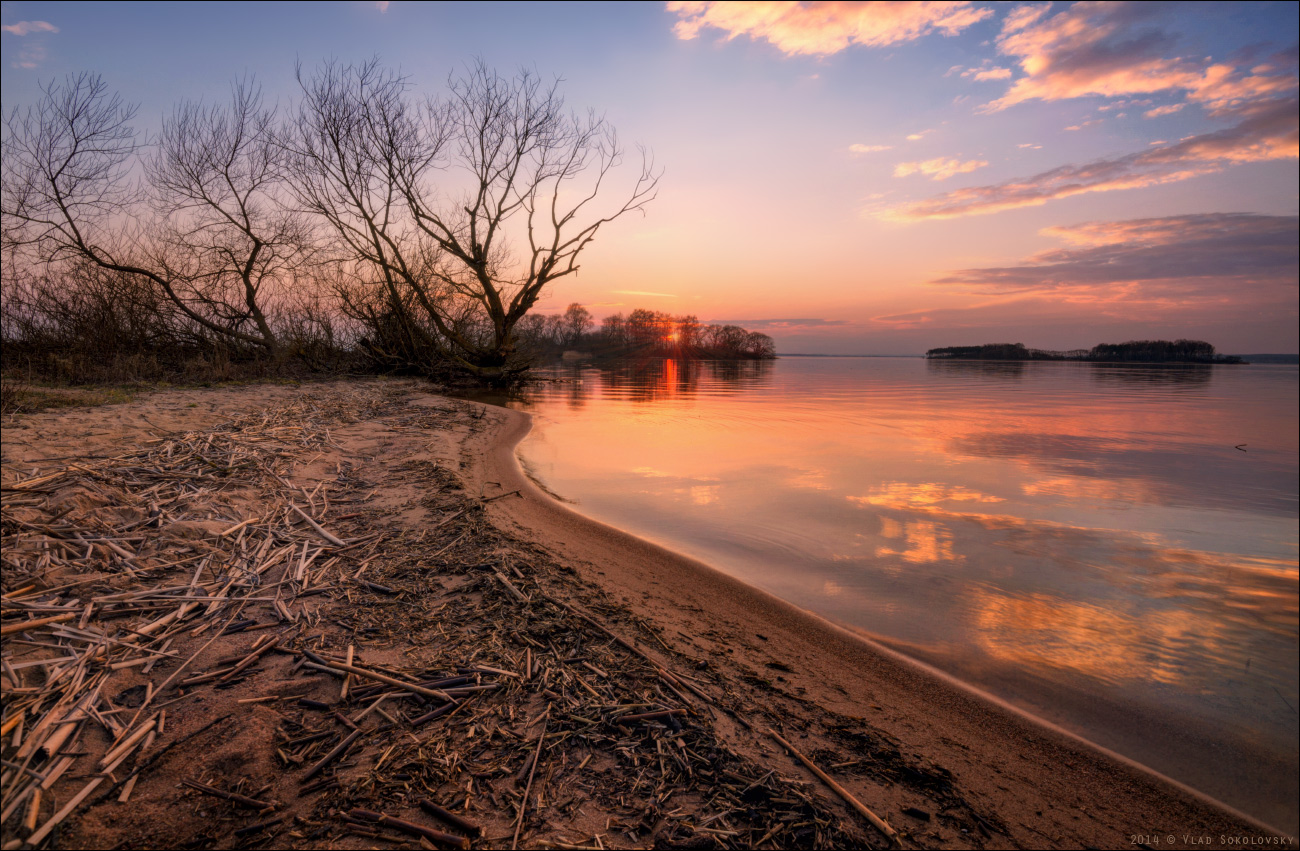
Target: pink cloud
[
  {"x": 1108, "y": 49},
  {"x": 1266, "y": 131},
  {"x": 1170, "y": 109},
  {"x": 1024, "y": 16},
  {"x": 868, "y": 149},
  {"x": 939, "y": 168},
  {"x": 27, "y": 27},
  {"x": 985, "y": 71},
  {"x": 822, "y": 28},
  {"x": 1204, "y": 257}
]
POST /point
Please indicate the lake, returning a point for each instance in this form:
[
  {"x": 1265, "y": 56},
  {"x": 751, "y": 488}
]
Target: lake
[{"x": 1110, "y": 547}]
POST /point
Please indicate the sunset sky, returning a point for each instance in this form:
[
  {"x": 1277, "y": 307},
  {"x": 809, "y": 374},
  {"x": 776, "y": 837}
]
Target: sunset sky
[{"x": 847, "y": 177}]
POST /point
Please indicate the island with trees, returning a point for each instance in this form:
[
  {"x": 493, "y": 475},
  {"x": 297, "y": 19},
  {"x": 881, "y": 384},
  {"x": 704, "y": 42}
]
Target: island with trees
[
  {"x": 1134, "y": 351},
  {"x": 641, "y": 333}
]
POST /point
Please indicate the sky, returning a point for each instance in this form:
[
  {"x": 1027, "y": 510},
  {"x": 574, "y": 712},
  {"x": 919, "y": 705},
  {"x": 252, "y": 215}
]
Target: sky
[{"x": 850, "y": 178}]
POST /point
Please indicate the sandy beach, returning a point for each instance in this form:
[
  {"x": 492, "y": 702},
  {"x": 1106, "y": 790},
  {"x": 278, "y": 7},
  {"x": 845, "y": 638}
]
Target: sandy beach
[{"x": 587, "y": 688}]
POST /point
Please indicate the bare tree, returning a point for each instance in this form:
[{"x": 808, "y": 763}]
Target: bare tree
[
  {"x": 474, "y": 202},
  {"x": 688, "y": 331},
  {"x": 577, "y": 321},
  {"x": 214, "y": 232},
  {"x": 66, "y": 168},
  {"x": 215, "y": 178}
]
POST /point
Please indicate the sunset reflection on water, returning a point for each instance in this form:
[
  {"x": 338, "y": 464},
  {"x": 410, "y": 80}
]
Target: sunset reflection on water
[{"x": 1073, "y": 537}]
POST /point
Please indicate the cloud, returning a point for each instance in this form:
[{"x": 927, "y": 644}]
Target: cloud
[
  {"x": 916, "y": 137},
  {"x": 985, "y": 71},
  {"x": 869, "y": 149},
  {"x": 822, "y": 28},
  {"x": 1169, "y": 109},
  {"x": 1267, "y": 131},
  {"x": 643, "y": 292},
  {"x": 1024, "y": 16},
  {"x": 1207, "y": 258},
  {"x": 382, "y": 6},
  {"x": 1112, "y": 49},
  {"x": 1124, "y": 103},
  {"x": 27, "y": 27},
  {"x": 780, "y": 324},
  {"x": 938, "y": 168}
]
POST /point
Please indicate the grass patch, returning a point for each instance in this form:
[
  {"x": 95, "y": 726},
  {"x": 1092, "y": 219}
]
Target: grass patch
[{"x": 19, "y": 398}]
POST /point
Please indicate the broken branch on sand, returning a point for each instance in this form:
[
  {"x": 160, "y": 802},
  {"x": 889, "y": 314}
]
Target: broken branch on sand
[{"x": 876, "y": 821}]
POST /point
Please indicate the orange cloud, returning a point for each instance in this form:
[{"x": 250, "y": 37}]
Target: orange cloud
[
  {"x": 938, "y": 168},
  {"x": 1269, "y": 131},
  {"x": 1110, "y": 645},
  {"x": 821, "y": 28},
  {"x": 868, "y": 149},
  {"x": 926, "y": 542}
]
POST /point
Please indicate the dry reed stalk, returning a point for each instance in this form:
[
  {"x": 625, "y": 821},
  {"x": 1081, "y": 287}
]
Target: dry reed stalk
[{"x": 876, "y": 821}]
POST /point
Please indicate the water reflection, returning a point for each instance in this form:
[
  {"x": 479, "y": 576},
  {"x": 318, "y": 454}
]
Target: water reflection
[
  {"x": 1146, "y": 375},
  {"x": 645, "y": 380},
  {"x": 1070, "y": 523},
  {"x": 1185, "y": 374},
  {"x": 1142, "y": 468},
  {"x": 981, "y": 368}
]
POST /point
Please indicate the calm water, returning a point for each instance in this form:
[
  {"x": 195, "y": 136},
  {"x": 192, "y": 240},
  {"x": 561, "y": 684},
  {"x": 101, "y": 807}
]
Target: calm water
[{"x": 1085, "y": 541}]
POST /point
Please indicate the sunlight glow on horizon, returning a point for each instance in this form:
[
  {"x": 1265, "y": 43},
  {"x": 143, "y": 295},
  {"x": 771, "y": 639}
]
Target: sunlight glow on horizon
[{"x": 853, "y": 178}]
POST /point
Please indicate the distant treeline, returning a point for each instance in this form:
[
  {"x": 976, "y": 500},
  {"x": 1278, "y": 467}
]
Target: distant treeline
[
  {"x": 1134, "y": 351},
  {"x": 642, "y": 333}
]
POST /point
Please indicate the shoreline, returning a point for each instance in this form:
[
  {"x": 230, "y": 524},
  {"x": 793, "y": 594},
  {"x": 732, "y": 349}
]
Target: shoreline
[
  {"x": 569, "y": 629},
  {"x": 629, "y": 562}
]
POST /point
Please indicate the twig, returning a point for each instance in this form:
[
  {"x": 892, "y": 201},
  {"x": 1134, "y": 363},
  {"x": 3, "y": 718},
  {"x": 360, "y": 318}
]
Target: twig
[
  {"x": 229, "y": 796},
  {"x": 332, "y": 755},
  {"x": 410, "y": 827}
]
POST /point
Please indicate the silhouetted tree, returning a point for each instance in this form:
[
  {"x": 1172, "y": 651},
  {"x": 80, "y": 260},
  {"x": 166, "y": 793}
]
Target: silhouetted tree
[
  {"x": 473, "y": 202},
  {"x": 688, "y": 332},
  {"x": 614, "y": 329},
  {"x": 206, "y": 228},
  {"x": 577, "y": 321}
]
